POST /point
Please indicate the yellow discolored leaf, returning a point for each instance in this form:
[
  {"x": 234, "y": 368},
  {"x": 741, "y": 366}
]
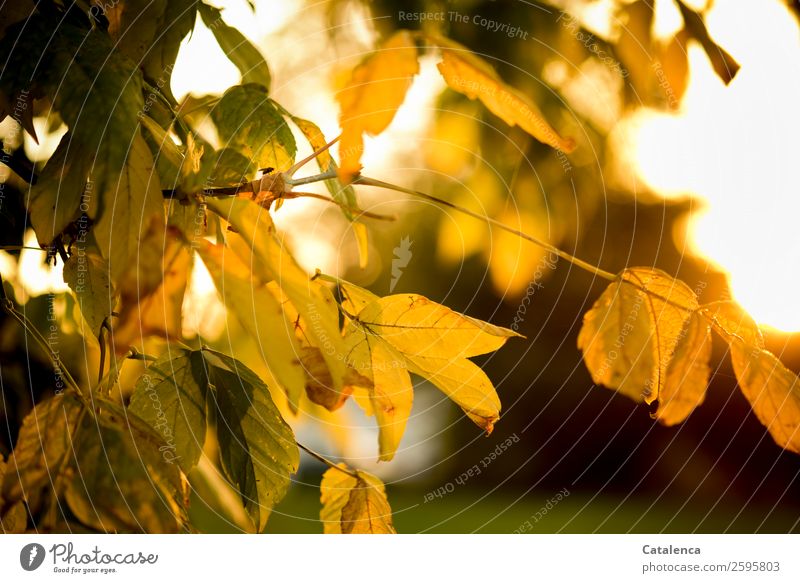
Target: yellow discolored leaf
[
  {"x": 616, "y": 341},
  {"x": 688, "y": 372},
  {"x": 669, "y": 302},
  {"x": 415, "y": 325},
  {"x": 261, "y": 314},
  {"x": 465, "y": 72},
  {"x": 388, "y": 385},
  {"x": 269, "y": 260},
  {"x": 376, "y": 90},
  {"x": 773, "y": 392},
  {"x": 157, "y": 312},
  {"x": 44, "y": 441},
  {"x": 354, "y": 504},
  {"x": 465, "y": 384}
]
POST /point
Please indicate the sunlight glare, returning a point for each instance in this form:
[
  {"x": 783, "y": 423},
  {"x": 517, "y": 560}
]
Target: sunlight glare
[{"x": 733, "y": 148}]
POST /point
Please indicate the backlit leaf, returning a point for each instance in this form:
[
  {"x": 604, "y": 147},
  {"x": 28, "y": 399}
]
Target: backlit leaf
[
  {"x": 44, "y": 441},
  {"x": 261, "y": 314},
  {"x": 390, "y": 336},
  {"x": 687, "y": 375},
  {"x": 773, "y": 392},
  {"x": 415, "y": 325},
  {"x": 87, "y": 274},
  {"x": 731, "y": 322},
  {"x": 15, "y": 519},
  {"x": 249, "y": 122},
  {"x": 121, "y": 480},
  {"x": 464, "y": 383},
  {"x": 388, "y": 388},
  {"x": 257, "y": 447},
  {"x": 616, "y": 341},
  {"x": 171, "y": 398},
  {"x": 271, "y": 261},
  {"x": 156, "y": 311},
  {"x": 238, "y": 49},
  {"x": 56, "y": 197},
  {"x": 376, "y": 90},
  {"x": 132, "y": 223},
  {"x": 467, "y": 73},
  {"x": 354, "y": 504}
]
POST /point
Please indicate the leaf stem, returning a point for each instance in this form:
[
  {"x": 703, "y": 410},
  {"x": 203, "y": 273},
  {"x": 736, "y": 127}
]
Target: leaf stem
[
  {"x": 585, "y": 265},
  {"x": 327, "y": 175},
  {"x": 353, "y": 210},
  {"x": 326, "y": 461}
]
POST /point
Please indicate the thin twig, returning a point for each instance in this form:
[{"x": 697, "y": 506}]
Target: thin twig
[
  {"x": 552, "y": 248},
  {"x": 326, "y": 461},
  {"x": 311, "y": 156},
  {"x": 353, "y": 210}
]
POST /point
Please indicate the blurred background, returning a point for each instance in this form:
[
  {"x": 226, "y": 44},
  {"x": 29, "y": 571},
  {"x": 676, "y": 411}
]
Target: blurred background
[{"x": 685, "y": 114}]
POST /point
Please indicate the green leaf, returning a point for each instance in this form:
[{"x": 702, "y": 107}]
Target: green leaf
[
  {"x": 131, "y": 229},
  {"x": 171, "y": 398},
  {"x": 248, "y": 121},
  {"x": 228, "y": 167},
  {"x": 83, "y": 72},
  {"x": 121, "y": 479},
  {"x": 87, "y": 274},
  {"x": 354, "y": 504},
  {"x": 150, "y": 33},
  {"x": 238, "y": 49},
  {"x": 55, "y": 199},
  {"x": 257, "y": 447}
]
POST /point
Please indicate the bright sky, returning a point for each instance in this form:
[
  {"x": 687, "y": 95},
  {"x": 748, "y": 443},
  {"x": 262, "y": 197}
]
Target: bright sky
[{"x": 735, "y": 148}]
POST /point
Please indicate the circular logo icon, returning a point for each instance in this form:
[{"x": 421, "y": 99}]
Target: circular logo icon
[{"x": 31, "y": 556}]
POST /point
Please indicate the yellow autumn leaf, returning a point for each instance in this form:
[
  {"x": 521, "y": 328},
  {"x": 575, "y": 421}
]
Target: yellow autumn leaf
[
  {"x": 388, "y": 387},
  {"x": 467, "y": 73},
  {"x": 688, "y": 372},
  {"x": 158, "y": 313},
  {"x": 269, "y": 260},
  {"x": 417, "y": 326},
  {"x": 261, "y": 315},
  {"x": 772, "y": 389},
  {"x": 319, "y": 380},
  {"x": 629, "y": 336},
  {"x": 354, "y": 502},
  {"x": 464, "y": 383},
  {"x": 370, "y": 100}
]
